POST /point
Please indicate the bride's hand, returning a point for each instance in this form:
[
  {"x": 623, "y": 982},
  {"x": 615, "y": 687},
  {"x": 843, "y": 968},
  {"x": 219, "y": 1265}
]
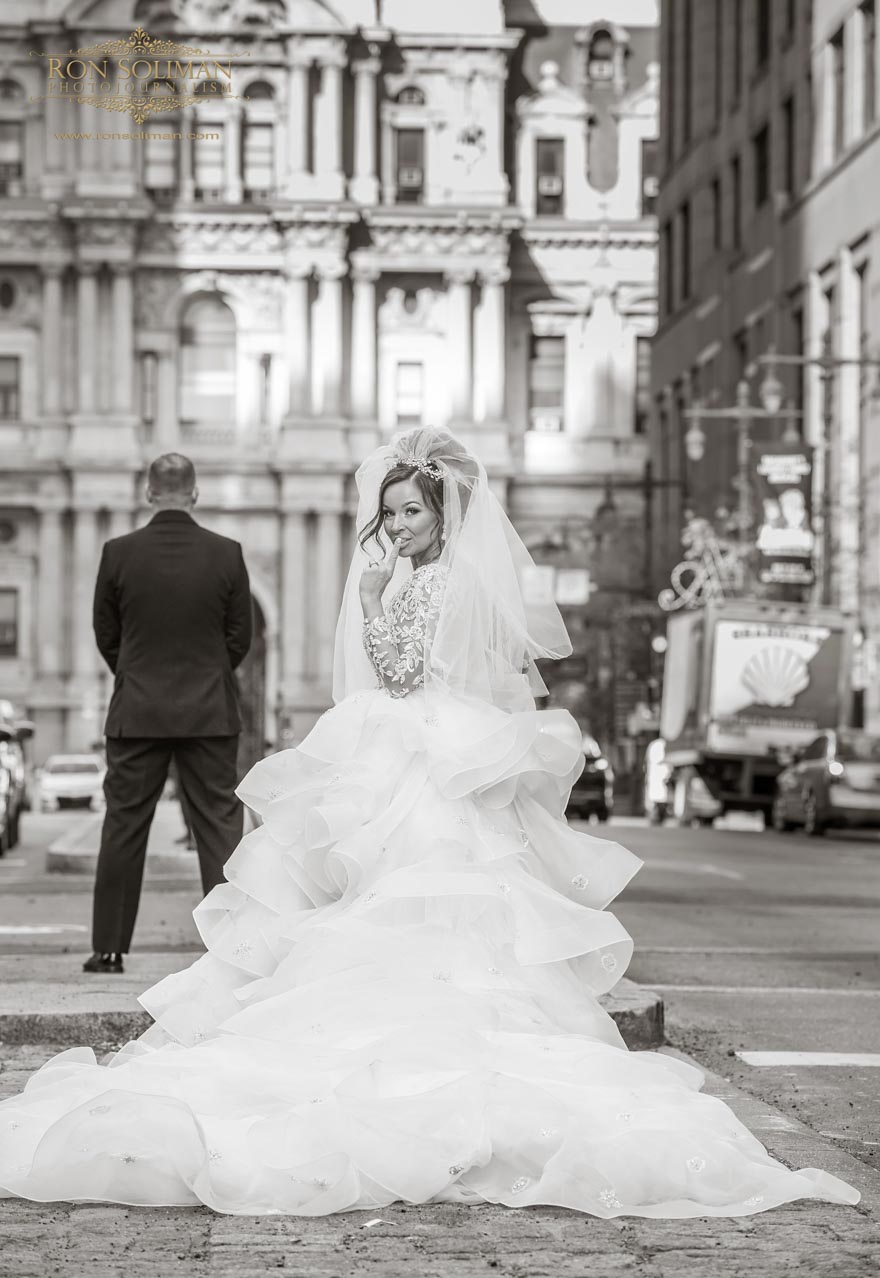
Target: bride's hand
[{"x": 374, "y": 580}]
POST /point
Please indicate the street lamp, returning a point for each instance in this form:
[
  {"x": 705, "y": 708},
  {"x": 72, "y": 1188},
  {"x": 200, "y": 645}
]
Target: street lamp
[{"x": 695, "y": 439}]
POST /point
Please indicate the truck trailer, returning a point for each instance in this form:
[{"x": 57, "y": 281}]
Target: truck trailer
[{"x": 747, "y": 684}]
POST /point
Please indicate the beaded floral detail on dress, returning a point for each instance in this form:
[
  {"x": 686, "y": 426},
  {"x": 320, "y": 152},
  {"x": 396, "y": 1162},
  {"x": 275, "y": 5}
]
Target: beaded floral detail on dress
[{"x": 395, "y": 642}]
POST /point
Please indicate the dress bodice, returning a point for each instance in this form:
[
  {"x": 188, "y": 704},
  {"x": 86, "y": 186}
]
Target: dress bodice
[{"x": 395, "y": 642}]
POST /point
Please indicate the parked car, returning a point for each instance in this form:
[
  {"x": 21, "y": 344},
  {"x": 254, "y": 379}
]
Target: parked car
[
  {"x": 593, "y": 792},
  {"x": 835, "y": 781},
  {"x": 71, "y": 781},
  {"x": 14, "y": 731}
]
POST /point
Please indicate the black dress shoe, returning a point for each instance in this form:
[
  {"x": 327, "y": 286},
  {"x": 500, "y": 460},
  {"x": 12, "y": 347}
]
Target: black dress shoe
[{"x": 104, "y": 963}]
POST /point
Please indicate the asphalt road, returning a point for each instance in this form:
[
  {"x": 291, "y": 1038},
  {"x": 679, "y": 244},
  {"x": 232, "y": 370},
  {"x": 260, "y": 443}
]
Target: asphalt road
[{"x": 763, "y": 942}]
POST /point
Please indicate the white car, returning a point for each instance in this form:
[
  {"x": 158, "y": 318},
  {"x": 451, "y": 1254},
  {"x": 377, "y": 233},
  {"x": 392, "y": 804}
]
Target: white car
[{"x": 71, "y": 781}]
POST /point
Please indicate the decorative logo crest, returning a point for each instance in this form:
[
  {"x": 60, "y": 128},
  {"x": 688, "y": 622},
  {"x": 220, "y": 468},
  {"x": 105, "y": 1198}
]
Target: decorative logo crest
[{"x": 140, "y": 75}]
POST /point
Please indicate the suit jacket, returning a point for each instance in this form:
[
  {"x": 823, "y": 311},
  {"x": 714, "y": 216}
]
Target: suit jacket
[{"x": 172, "y": 618}]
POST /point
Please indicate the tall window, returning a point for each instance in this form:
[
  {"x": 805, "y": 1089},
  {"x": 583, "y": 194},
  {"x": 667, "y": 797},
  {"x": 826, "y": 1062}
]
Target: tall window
[
  {"x": 736, "y": 202},
  {"x": 207, "y": 364},
  {"x": 546, "y": 383},
  {"x": 209, "y": 161},
  {"x": 650, "y": 180},
  {"x": 149, "y": 386},
  {"x": 718, "y": 95},
  {"x": 549, "y": 170},
  {"x": 668, "y": 81},
  {"x": 160, "y": 151},
  {"x": 762, "y": 32},
  {"x": 668, "y": 267},
  {"x": 687, "y": 71},
  {"x": 789, "y": 144},
  {"x": 265, "y": 387},
  {"x": 790, "y": 17},
  {"x": 737, "y": 48},
  {"x": 11, "y": 157},
  {"x": 409, "y": 394},
  {"x": 717, "y": 214},
  {"x": 8, "y": 623},
  {"x": 838, "y": 74},
  {"x": 10, "y": 382},
  {"x": 643, "y": 385},
  {"x": 258, "y": 142},
  {"x": 869, "y": 66},
  {"x": 761, "y": 165},
  {"x": 410, "y": 165},
  {"x": 685, "y": 248},
  {"x": 601, "y": 59}
]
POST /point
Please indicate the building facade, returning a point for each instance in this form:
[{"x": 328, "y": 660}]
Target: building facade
[
  {"x": 371, "y": 223},
  {"x": 770, "y": 167}
]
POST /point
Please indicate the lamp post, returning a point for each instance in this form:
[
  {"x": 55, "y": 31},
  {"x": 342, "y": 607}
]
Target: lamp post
[
  {"x": 828, "y": 364},
  {"x": 771, "y": 393}
]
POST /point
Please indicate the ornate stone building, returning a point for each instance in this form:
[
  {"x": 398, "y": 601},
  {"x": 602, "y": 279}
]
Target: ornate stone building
[{"x": 387, "y": 218}]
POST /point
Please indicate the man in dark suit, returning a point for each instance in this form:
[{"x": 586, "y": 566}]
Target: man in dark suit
[{"x": 172, "y": 618}]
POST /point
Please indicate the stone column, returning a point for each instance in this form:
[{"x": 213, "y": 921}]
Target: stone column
[
  {"x": 53, "y": 362},
  {"x": 492, "y": 355},
  {"x": 298, "y": 122},
  {"x": 233, "y": 154},
  {"x": 364, "y": 185},
  {"x": 328, "y": 571},
  {"x": 166, "y": 431},
  {"x": 85, "y": 569},
  {"x": 87, "y": 320},
  {"x": 50, "y": 588},
  {"x": 186, "y": 179},
  {"x": 122, "y": 390},
  {"x": 848, "y": 486},
  {"x": 459, "y": 345},
  {"x": 327, "y": 140},
  {"x": 327, "y": 343},
  {"x": 294, "y": 602},
  {"x": 55, "y": 149},
  {"x": 363, "y": 342},
  {"x": 297, "y": 338}
]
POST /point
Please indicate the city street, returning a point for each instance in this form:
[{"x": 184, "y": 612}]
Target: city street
[{"x": 757, "y": 942}]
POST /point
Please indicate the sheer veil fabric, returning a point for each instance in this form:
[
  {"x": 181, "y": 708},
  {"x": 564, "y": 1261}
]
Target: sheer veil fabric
[{"x": 399, "y": 998}]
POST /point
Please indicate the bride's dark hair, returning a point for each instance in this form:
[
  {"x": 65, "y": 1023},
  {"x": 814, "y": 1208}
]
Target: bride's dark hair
[{"x": 431, "y": 490}]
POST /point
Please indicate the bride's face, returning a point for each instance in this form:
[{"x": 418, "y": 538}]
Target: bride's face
[{"x": 407, "y": 518}]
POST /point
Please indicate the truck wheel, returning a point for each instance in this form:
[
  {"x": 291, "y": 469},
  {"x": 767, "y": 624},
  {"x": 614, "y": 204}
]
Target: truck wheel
[
  {"x": 812, "y": 825},
  {"x": 778, "y": 819}
]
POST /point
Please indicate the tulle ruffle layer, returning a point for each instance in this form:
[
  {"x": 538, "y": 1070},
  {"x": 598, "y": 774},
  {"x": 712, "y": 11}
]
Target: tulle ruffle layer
[{"x": 399, "y": 1002}]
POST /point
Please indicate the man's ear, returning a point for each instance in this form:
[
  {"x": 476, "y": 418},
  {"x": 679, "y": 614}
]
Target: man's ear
[
  {"x": 148, "y": 493},
  {"x": 195, "y": 496}
]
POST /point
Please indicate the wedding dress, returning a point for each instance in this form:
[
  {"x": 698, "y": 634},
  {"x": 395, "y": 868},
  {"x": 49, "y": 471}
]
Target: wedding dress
[{"x": 399, "y": 998}]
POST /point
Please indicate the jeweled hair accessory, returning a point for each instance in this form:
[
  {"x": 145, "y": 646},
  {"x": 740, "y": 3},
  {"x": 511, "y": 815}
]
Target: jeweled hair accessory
[{"x": 429, "y": 468}]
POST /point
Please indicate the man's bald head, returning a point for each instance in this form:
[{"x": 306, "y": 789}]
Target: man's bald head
[{"x": 171, "y": 482}]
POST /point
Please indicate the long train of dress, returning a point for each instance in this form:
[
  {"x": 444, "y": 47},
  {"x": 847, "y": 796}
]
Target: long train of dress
[{"x": 399, "y": 1002}]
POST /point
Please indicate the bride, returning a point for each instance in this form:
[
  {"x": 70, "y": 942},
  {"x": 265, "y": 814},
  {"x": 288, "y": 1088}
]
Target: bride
[{"x": 399, "y": 999}]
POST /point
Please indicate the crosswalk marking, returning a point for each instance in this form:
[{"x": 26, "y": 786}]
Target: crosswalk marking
[
  {"x": 763, "y": 989},
  {"x": 810, "y": 1058},
  {"x": 43, "y": 929}
]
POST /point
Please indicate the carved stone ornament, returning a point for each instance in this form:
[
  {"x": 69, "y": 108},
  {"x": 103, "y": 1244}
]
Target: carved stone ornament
[
  {"x": 20, "y": 233},
  {"x": 213, "y": 15},
  {"x": 440, "y": 241},
  {"x": 152, "y": 291},
  {"x": 25, "y": 310},
  {"x": 212, "y": 236},
  {"x": 403, "y": 309}
]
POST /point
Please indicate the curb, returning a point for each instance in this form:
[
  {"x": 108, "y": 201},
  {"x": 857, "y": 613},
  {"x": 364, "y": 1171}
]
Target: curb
[
  {"x": 638, "y": 1014},
  {"x": 77, "y": 853}
]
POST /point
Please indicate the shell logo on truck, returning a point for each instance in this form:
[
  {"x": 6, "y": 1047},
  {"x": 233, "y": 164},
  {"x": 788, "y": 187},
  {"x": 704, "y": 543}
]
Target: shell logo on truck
[{"x": 776, "y": 675}]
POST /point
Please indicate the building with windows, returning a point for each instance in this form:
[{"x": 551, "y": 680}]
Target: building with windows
[
  {"x": 770, "y": 168},
  {"x": 379, "y": 218}
]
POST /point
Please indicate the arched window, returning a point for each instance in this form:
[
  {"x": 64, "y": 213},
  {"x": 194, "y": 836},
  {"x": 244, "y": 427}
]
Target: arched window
[
  {"x": 258, "y": 142},
  {"x": 259, "y": 91},
  {"x": 411, "y": 95},
  {"x": 11, "y": 138},
  {"x": 601, "y": 56},
  {"x": 160, "y": 152},
  {"x": 207, "y": 364}
]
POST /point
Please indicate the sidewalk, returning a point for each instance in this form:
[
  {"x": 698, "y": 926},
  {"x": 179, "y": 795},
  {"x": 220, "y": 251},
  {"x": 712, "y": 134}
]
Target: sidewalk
[{"x": 45, "y": 997}]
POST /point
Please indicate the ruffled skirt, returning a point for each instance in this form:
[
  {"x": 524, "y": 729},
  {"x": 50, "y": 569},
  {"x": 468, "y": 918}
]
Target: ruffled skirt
[{"x": 399, "y": 1001}]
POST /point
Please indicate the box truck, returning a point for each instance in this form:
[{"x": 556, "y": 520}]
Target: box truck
[{"x": 747, "y": 684}]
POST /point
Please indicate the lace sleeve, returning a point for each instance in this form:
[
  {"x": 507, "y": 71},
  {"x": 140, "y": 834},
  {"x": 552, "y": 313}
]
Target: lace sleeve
[{"x": 395, "y": 642}]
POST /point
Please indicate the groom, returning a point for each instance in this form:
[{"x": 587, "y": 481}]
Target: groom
[{"x": 172, "y": 619}]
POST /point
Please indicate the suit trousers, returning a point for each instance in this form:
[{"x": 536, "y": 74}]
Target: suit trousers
[{"x": 137, "y": 768}]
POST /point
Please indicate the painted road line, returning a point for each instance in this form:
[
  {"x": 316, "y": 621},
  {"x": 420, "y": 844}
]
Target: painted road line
[
  {"x": 762, "y": 989},
  {"x": 11, "y": 865},
  {"x": 43, "y": 929},
  {"x": 688, "y": 867},
  {"x": 789, "y": 951},
  {"x": 811, "y": 1058}
]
